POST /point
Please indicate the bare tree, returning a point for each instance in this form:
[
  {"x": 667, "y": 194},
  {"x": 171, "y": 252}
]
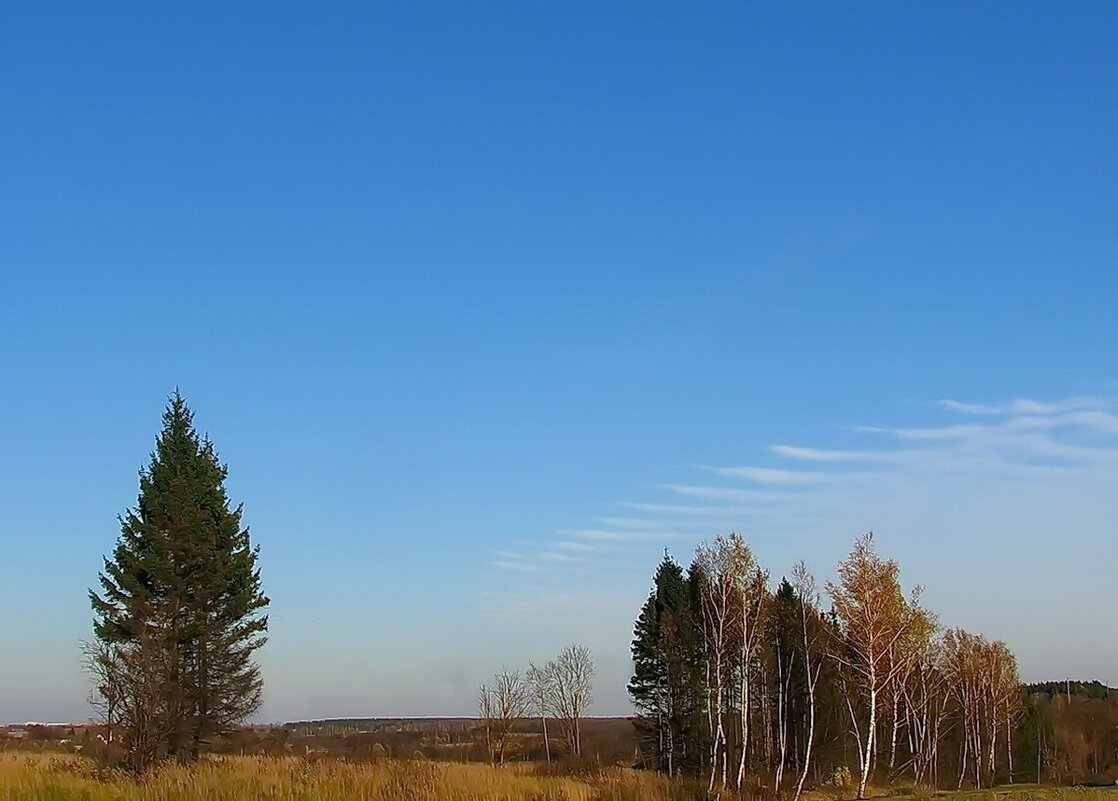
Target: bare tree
[
  {"x": 499, "y": 707},
  {"x": 541, "y": 691},
  {"x": 507, "y": 700},
  {"x": 132, "y": 697},
  {"x": 101, "y": 661},
  {"x": 571, "y": 686}
]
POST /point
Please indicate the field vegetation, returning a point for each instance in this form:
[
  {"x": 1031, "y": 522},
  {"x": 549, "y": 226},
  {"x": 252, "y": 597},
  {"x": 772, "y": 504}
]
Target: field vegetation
[
  {"x": 25, "y": 777},
  {"x": 58, "y": 777}
]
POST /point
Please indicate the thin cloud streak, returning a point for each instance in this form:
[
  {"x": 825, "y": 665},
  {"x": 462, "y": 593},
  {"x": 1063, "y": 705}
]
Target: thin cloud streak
[
  {"x": 630, "y": 522},
  {"x": 582, "y": 547},
  {"x": 769, "y": 476},
  {"x": 556, "y": 556},
  {"x": 1025, "y": 406},
  {"x": 1022, "y": 433},
  {"x": 968, "y": 408},
  {"x": 694, "y": 511},
  {"x": 942, "y": 432},
  {"x": 527, "y": 567},
  {"x": 728, "y": 493},
  {"x": 607, "y": 535},
  {"x": 826, "y": 455}
]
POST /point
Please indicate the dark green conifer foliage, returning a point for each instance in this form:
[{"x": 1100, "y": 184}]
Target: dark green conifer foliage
[
  {"x": 786, "y": 677},
  {"x": 183, "y": 580},
  {"x": 667, "y": 675}
]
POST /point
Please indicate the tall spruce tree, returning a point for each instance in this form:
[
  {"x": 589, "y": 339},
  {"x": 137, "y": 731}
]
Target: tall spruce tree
[
  {"x": 786, "y": 677},
  {"x": 180, "y": 615},
  {"x": 667, "y": 680}
]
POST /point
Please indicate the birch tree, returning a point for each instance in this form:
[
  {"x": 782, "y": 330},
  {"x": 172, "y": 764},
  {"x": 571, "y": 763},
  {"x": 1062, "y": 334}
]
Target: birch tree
[
  {"x": 982, "y": 679},
  {"x": 810, "y": 654},
  {"x": 873, "y": 615},
  {"x": 716, "y": 603},
  {"x": 735, "y": 601},
  {"x": 749, "y": 584}
]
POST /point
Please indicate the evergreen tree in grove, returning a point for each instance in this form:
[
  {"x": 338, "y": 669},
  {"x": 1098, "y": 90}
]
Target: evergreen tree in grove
[
  {"x": 179, "y": 615},
  {"x": 667, "y": 676}
]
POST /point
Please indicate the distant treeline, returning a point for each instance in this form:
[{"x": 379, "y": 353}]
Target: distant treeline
[{"x": 1076, "y": 689}]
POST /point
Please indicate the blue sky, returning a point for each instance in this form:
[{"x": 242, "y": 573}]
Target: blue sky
[{"x": 485, "y": 304}]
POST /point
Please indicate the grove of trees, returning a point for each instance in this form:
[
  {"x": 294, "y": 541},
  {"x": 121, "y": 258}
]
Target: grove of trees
[{"x": 751, "y": 687}]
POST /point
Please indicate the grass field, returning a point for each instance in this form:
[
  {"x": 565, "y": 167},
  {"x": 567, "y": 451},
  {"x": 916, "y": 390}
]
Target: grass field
[
  {"x": 36, "y": 777},
  {"x": 62, "y": 778}
]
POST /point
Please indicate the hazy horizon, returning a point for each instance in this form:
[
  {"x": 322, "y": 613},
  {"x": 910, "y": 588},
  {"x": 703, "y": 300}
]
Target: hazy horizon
[{"x": 486, "y": 305}]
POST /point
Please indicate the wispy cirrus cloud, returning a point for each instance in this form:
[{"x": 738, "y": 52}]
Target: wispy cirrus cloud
[
  {"x": 560, "y": 556},
  {"x": 981, "y": 501},
  {"x": 577, "y": 546},
  {"x": 582, "y": 547},
  {"x": 1096, "y": 420},
  {"x": 1026, "y": 406},
  {"x": 686, "y": 510},
  {"x": 967, "y": 408},
  {"x": 725, "y": 493},
  {"x": 830, "y": 455},
  {"x": 520, "y": 566},
  {"x": 940, "y": 432},
  {"x": 614, "y": 535},
  {"x": 1022, "y": 439},
  {"x": 769, "y": 476}
]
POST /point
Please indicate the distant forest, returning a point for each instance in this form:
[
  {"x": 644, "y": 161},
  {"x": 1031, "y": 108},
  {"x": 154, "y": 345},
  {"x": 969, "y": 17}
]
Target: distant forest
[{"x": 1073, "y": 689}]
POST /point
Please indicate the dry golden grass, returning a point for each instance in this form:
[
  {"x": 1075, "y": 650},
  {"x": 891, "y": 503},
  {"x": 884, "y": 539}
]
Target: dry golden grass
[
  {"x": 65, "y": 778},
  {"x": 43, "y": 777}
]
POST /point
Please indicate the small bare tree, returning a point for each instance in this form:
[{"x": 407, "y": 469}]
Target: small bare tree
[
  {"x": 102, "y": 662},
  {"x": 541, "y": 691},
  {"x": 132, "y": 697},
  {"x": 499, "y": 707},
  {"x": 571, "y": 686}
]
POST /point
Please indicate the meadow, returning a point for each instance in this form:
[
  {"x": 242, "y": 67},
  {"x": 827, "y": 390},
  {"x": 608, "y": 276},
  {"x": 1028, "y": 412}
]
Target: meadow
[
  {"x": 55, "y": 777},
  {"x": 59, "y": 777}
]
